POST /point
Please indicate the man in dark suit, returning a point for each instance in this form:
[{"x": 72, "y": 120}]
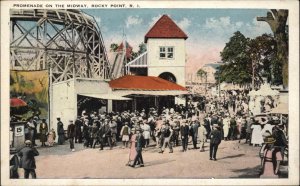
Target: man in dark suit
[
  {"x": 35, "y": 118},
  {"x": 281, "y": 142},
  {"x": 139, "y": 146},
  {"x": 194, "y": 130},
  {"x": 71, "y": 134},
  {"x": 27, "y": 159},
  {"x": 78, "y": 132},
  {"x": 60, "y": 132},
  {"x": 101, "y": 135},
  {"x": 107, "y": 133},
  {"x": 184, "y": 131},
  {"x": 215, "y": 140}
]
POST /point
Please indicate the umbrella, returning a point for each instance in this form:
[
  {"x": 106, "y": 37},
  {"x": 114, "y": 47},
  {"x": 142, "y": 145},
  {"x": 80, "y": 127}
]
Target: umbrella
[{"x": 16, "y": 102}]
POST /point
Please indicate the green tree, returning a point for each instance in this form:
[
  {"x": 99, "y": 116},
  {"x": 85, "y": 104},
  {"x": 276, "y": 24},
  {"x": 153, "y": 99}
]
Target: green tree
[
  {"x": 277, "y": 21},
  {"x": 236, "y": 61},
  {"x": 142, "y": 48},
  {"x": 201, "y": 73},
  {"x": 247, "y": 61},
  {"x": 262, "y": 53},
  {"x": 114, "y": 47}
]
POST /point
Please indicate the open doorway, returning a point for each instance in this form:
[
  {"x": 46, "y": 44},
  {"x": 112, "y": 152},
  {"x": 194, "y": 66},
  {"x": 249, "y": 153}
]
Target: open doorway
[{"x": 90, "y": 104}]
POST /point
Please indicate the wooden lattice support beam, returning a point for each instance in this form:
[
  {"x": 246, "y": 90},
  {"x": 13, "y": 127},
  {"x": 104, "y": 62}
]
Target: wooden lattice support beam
[{"x": 67, "y": 41}]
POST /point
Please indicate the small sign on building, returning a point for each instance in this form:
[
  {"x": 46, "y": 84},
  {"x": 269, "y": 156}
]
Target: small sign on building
[{"x": 19, "y": 130}]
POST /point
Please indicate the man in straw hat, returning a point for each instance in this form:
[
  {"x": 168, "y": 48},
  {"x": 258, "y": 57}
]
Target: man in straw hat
[
  {"x": 215, "y": 140},
  {"x": 184, "y": 131},
  {"x": 270, "y": 159},
  {"x": 27, "y": 159},
  {"x": 202, "y": 132}
]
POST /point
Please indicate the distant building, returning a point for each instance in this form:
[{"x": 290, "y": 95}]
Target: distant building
[{"x": 210, "y": 69}]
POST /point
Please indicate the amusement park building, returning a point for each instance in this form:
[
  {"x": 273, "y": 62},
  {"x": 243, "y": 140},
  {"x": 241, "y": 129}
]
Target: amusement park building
[{"x": 68, "y": 46}]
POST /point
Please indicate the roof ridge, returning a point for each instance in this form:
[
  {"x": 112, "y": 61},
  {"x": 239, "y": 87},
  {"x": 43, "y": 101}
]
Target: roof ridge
[{"x": 165, "y": 27}]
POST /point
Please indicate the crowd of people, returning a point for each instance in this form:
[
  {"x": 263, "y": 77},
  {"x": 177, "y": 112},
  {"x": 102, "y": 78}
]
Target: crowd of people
[{"x": 207, "y": 120}]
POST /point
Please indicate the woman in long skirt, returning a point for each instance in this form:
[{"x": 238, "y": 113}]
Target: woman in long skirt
[
  {"x": 132, "y": 152},
  {"x": 43, "y": 132}
]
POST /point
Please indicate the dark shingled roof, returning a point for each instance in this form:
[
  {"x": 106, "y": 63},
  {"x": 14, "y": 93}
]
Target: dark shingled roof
[{"x": 165, "y": 27}]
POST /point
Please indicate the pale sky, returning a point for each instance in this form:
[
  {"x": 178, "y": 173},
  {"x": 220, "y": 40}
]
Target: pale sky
[{"x": 208, "y": 29}]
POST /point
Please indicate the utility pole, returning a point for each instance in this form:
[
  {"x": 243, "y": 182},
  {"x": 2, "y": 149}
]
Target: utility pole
[
  {"x": 253, "y": 71},
  {"x": 219, "y": 84}
]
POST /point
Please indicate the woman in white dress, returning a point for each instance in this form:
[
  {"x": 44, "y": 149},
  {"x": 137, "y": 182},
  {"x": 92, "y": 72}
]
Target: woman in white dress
[
  {"x": 226, "y": 126},
  {"x": 257, "y": 138}
]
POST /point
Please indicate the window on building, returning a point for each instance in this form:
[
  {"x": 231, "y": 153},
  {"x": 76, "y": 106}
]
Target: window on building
[{"x": 166, "y": 52}]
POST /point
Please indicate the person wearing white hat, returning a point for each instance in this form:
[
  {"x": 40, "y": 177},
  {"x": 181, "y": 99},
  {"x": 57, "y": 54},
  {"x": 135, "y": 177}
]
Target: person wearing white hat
[
  {"x": 267, "y": 126},
  {"x": 226, "y": 126},
  {"x": 124, "y": 134},
  {"x": 113, "y": 129},
  {"x": 202, "y": 133},
  {"x": 27, "y": 160},
  {"x": 256, "y": 138}
]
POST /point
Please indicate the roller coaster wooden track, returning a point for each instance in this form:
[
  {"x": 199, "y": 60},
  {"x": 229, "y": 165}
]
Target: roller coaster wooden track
[{"x": 68, "y": 43}]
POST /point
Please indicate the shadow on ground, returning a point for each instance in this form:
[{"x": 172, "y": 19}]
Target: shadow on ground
[
  {"x": 233, "y": 156},
  {"x": 255, "y": 172},
  {"x": 158, "y": 162},
  {"x": 248, "y": 172}
]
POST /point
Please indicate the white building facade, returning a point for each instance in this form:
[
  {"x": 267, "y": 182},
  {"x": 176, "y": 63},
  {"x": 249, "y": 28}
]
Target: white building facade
[
  {"x": 166, "y": 51},
  {"x": 166, "y": 58}
]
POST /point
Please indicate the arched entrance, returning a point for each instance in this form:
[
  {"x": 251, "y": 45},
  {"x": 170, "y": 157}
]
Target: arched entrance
[{"x": 168, "y": 76}]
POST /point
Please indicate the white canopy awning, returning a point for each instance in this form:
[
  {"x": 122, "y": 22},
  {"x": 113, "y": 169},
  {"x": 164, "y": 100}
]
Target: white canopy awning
[
  {"x": 265, "y": 90},
  {"x": 107, "y": 96}
]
